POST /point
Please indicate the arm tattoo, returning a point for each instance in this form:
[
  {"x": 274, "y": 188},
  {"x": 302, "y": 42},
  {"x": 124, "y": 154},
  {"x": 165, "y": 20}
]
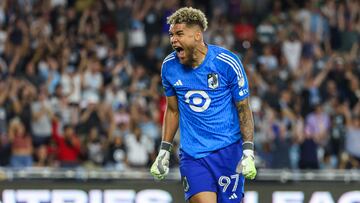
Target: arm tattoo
[{"x": 246, "y": 120}]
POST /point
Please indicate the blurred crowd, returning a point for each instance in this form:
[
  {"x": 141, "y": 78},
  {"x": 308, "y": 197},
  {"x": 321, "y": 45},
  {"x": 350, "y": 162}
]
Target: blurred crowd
[{"x": 80, "y": 80}]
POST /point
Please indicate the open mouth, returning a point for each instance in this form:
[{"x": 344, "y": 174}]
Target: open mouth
[{"x": 179, "y": 51}]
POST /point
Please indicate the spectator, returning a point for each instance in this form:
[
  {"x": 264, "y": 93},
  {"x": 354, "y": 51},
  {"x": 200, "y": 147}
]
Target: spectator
[
  {"x": 92, "y": 80},
  {"x": 43, "y": 157},
  {"x": 291, "y": 49},
  {"x": 62, "y": 108},
  {"x": 149, "y": 127},
  {"x": 139, "y": 148},
  {"x": 68, "y": 145},
  {"x": 268, "y": 60},
  {"x": 317, "y": 125},
  {"x": 31, "y": 76},
  {"x": 117, "y": 153},
  {"x": 352, "y": 140},
  {"x": 71, "y": 83},
  {"x": 281, "y": 140},
  {"x": 266, "y": 32},
  {"x": 121, "y": 122},
  {"x": 94, "y": 149},
  {"x": 42, "y": 114},
  {"x": 21, "y": 145},
  {"x": 16, "y": 46},
  {"x": 90, "y": 115},
  {"x": 5, "y": 151},
  {"x": 3, "y": 98},
  {"x": 49, "y": 70},
  {"x": 337, "y": 132},
  {"x": 26, "y": 98}
]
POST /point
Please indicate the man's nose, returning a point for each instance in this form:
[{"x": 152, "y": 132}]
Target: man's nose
[{"x": 173, "y": 39}]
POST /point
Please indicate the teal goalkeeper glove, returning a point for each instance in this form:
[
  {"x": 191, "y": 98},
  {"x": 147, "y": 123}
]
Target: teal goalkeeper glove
[
  {"x": 160, "y": 167},
  {"x": 246, "y": 165}
]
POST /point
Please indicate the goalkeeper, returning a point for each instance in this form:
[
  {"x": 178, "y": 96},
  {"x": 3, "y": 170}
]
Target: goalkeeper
[{"x": 208, "y": 99}]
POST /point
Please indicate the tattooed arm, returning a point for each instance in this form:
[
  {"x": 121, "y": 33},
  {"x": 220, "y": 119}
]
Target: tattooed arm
[
  {"x": 246, "y": 120},
  {"x": 246, "y": 165}
]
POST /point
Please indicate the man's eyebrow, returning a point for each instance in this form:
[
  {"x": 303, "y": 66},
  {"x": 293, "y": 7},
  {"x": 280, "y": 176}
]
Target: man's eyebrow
[{"x": 177, "y": 32}]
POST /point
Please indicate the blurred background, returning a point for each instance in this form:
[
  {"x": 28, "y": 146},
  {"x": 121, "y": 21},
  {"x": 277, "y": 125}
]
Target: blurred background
[{"x": 81, "y": 95}]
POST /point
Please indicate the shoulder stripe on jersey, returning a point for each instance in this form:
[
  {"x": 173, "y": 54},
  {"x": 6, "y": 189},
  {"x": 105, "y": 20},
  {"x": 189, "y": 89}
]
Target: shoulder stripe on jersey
[
  {"x": 168, "y": 59},
  {"x": 237, "y": 65},
  {"x": 230, "y": 64},
  {"x": 168, "y": 56}
]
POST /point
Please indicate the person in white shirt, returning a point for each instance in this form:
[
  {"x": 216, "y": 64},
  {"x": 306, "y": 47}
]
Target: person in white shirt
[{"x": 139, "y": 148}]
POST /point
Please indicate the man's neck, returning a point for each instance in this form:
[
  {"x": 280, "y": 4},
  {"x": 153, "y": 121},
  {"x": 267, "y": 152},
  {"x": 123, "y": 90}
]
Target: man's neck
[{"x": 199, "y": 55}]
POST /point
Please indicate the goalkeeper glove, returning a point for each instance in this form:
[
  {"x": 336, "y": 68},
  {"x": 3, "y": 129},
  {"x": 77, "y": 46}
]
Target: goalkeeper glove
[
  {"x": 246, "y": 165},
  {"x": 160, "y": 167}
]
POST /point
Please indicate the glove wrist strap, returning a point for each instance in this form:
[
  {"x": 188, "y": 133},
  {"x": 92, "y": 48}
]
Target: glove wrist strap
[
  {"x": 248, "y": 145},
  {"x": 248, "y": 148},
  {"x": 166, "y": 146}
]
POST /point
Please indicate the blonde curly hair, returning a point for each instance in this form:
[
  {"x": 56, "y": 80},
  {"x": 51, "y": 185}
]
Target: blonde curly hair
[{"x": 189, "y": 16}]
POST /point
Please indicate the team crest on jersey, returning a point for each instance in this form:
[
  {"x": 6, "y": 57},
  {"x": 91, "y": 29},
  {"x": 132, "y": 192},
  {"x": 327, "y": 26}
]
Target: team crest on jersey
[
  {"x": 213, "y": 80},
  {"x": 185, "y": 183}
]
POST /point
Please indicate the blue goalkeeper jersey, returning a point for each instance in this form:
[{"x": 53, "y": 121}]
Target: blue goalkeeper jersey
[{"x": 208, "y": 118}]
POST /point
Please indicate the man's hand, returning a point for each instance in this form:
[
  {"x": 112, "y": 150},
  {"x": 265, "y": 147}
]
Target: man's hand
[
  {"x": 160, "y": 167},
  {"x": 246, "y": 165}
]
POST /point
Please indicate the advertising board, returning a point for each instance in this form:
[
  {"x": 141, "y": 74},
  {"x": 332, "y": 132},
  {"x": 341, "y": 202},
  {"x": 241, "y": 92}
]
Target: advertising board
[{"x": 141, "y": 191}]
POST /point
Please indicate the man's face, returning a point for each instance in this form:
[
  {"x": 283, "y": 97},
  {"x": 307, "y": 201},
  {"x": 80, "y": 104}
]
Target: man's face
[
  {"x": 183, "y": 40},
  {"x": 68, "y": 132}
]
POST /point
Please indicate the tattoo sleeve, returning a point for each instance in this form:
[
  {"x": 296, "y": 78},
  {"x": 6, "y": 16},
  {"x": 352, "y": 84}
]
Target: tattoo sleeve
[{"x": 246, "y": 120}]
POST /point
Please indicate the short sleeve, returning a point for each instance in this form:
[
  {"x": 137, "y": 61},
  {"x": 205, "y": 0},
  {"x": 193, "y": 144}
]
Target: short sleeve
[
  {"x": 237, "y": 77},
  {"x": 168, "y": 89}
]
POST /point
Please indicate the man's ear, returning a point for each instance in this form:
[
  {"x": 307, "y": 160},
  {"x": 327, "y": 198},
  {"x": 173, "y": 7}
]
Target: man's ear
[{"x": 198, "y": 36}]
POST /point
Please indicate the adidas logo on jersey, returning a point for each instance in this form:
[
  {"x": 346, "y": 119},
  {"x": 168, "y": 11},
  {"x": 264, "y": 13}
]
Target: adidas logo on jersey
[
  {"x": 233, "y": 196},
  {"x": 178, "y": 83}
]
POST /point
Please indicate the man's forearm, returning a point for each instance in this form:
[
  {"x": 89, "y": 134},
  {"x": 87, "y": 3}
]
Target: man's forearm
[
  {"x": 170, "y": 125},
  {"x": 246, "y": 120}
]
